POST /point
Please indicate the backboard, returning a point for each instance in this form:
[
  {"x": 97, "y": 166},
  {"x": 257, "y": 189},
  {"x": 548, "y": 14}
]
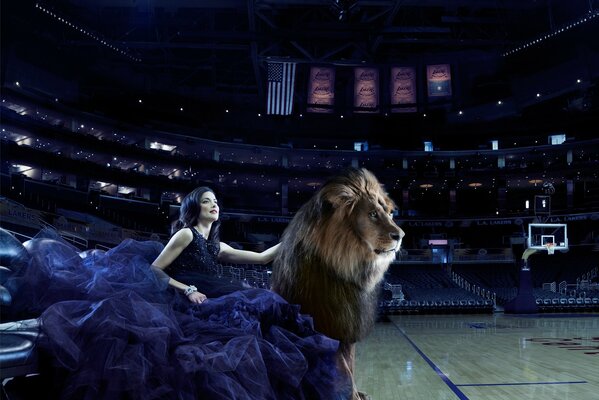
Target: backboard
[{"x": 541, "y": 234}]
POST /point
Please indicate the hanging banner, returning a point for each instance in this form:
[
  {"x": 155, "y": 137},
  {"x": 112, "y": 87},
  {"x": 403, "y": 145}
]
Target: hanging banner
[
  {"x": 321, "y": 90},
  {"x": 281, "y": 82},
  {"x": 438, "y": 78},
  {"x": 366, "y": 90},
  {"x": 403, "y": 89}
]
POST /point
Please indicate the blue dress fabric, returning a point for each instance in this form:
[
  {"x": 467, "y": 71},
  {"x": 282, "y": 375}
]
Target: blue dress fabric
[
  {"x": 197, "y": 265},
  {"x": 116, "y": 330}
]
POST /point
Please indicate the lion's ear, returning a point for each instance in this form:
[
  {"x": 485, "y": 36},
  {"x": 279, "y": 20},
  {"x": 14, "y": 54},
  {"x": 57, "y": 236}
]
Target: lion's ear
[{"x": 336, "y": 196}]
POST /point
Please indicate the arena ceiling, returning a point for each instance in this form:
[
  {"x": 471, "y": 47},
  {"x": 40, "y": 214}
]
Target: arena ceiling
[{"x": 214, "y": 52}]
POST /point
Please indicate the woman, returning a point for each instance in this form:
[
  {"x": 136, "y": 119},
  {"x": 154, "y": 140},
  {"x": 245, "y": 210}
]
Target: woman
[
  {"x": 194, "y": 249},
  {"x": 113, "y": 329}
]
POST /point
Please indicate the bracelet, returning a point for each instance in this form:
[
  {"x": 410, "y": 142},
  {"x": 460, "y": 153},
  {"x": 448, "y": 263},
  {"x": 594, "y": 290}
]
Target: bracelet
[{"x": 190, "y": 289}]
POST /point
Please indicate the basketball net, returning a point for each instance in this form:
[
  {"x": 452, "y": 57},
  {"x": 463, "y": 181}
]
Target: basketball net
[{"x": 550, "y": 248}]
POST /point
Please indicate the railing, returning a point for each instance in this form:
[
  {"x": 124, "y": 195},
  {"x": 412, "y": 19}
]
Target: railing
[
  {"x": 74, "y": 239},
  {"x": 552, "y": 287},
  {"x": 579, "y": 289},
  {"x": 250, "y": 277},
  {"x": 67, "y": 236},
  {"x": 18, "y": 235},
  {"x": 563, "y": 287},
  {"x": 464, "y": 256},
  {"x": 78, "y": 233},
  {"x": 396, "y": 290},
  {"x": 588, "y": 276},
  {"x": 476, "y": 289}
]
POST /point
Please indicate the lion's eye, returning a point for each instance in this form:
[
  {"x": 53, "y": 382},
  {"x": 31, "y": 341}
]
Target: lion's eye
[{"x": 372, "y": 214}]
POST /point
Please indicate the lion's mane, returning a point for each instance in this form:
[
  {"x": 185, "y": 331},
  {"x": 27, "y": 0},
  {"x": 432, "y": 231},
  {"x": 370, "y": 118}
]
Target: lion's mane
[{"x": 329, "y": 261}]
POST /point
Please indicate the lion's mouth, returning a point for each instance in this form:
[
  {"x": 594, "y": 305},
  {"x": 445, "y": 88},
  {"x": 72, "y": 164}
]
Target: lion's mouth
[
  {"x": 382, "y": 251},
  {"x": 391, "y": 250}
]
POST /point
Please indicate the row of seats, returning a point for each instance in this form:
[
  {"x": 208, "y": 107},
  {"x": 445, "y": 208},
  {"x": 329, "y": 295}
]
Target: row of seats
[
  {"x": 568, "y": 304},
  {"x": 18, "y": 338},
  {"x": 396, "y": 306}
]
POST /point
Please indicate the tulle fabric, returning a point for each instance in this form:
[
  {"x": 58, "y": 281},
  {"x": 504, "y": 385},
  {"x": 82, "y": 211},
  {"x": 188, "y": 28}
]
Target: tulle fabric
[{"x": 116, "y": 329}]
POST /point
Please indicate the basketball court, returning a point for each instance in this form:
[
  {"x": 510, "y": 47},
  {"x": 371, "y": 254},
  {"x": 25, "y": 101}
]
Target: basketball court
[
  {"x": 479, "y": 357},
  {"x": 493, "y": 356}
]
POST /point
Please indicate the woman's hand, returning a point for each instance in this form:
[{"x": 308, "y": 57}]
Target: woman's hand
[{"x": 197, "y": 297}]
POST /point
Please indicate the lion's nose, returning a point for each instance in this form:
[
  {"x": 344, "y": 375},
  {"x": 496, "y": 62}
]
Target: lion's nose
[{"x": 397, "y": 235}]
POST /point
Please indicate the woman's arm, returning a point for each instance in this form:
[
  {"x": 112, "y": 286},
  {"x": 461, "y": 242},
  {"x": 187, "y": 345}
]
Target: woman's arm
[
  {"x": 173, "y": 248},
  {"x": 230, "y": 255},
  {"x": 171, "y": 251}
]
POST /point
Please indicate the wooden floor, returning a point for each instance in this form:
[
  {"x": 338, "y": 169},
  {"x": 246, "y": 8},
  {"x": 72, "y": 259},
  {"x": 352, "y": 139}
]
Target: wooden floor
[{"x": 481, "y": 357}]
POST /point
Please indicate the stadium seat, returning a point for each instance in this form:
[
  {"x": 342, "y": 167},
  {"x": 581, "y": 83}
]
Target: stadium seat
[{"x": 18, "y": 352}]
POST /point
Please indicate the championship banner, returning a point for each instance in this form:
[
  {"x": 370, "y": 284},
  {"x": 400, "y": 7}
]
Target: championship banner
[
  {"x": 438, "y": 78},
  {"x": 321, "y": 89},
  {"x": 403, "y": 89},
  {"x": 366, "y": 90}
]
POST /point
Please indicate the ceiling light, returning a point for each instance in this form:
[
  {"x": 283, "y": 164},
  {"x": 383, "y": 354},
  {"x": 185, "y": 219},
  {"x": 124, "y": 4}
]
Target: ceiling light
[{"x": 589, "y": 16}]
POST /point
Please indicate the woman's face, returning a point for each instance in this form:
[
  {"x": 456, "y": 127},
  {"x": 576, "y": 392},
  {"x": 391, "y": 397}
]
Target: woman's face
[{"x": 208, "y": 207}]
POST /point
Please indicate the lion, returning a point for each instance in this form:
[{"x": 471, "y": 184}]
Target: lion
[{"x": 333, "y": 256}]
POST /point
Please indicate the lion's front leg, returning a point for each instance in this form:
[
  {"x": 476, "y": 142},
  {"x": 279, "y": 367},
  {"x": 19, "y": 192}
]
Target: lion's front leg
[
  {"x": 363, "y": 396},
  {"x": 345, "y": 361}
]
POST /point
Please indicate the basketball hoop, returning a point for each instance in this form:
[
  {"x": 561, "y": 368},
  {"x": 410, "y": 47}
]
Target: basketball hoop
[{"x": 550, "y": 248}]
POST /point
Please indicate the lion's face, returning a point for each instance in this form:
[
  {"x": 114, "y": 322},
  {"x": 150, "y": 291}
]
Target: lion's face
[
  {"x": 373, "y": 222},
  {"x": 354, "y": 230}
]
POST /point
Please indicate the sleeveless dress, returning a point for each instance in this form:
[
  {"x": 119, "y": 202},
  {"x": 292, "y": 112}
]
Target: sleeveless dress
[
  {"x": 113, "y": 329},
  {"x": 197, "y": 265}
]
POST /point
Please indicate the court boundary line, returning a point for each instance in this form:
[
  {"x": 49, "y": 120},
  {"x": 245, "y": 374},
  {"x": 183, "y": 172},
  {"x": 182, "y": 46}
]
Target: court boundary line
[
  {"x": 521, "y": 383},
  {"x": 554, "y": 315},
  {"x": 454, "y": 388}
]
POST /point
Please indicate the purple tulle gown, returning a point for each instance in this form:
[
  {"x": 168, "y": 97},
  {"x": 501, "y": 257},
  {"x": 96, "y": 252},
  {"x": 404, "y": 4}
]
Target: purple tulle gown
[{"x": 116, "y": 330}]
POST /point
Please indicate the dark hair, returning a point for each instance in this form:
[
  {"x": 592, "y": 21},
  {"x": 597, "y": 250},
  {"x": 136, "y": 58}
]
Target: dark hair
[{"x": 189, "y": 213}]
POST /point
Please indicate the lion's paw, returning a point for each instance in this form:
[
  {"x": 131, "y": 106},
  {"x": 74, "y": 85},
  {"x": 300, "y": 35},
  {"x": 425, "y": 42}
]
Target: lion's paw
[{"x": 363, "y": 396}]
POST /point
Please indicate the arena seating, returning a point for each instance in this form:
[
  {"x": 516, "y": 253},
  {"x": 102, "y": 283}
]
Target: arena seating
[
  {"x": 18, "y": 338},
  {"x": 429, "y": 289}
]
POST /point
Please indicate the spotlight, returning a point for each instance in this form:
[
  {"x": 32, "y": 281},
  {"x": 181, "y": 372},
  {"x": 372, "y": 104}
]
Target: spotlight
[{"x": 343, "y": 8}]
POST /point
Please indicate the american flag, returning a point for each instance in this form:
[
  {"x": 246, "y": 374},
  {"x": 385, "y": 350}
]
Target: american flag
[{"x": 281, "y": 80}]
